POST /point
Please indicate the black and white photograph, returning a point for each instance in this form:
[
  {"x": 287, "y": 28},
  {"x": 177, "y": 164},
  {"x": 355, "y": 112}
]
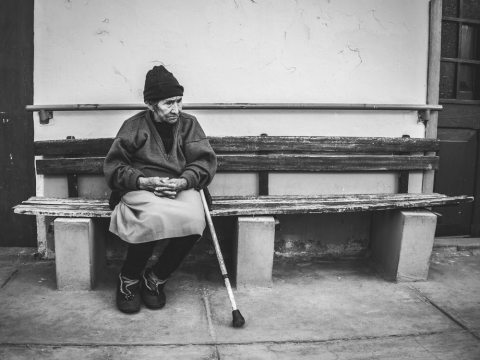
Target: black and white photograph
[{"x": 240, "y": 179}]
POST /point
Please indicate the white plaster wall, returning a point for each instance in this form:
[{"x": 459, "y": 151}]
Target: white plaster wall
[{"x": 331, "y": 51}]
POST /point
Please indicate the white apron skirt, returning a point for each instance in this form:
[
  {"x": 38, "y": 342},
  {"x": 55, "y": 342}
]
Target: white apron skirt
[{"x": 142, "y": 216}]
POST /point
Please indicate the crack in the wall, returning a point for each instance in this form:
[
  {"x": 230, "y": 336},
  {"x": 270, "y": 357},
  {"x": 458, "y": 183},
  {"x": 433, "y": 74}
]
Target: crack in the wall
[
  {"x": 266, "y": 65},
  {"x": 355, "y": 50},
  {"x": 378, "y": 21},
  {"x": 117, "y": 72},
  {"x": 402, "y": 24},
  {"x": 341, "y": 13},
  {"x": 290, "y": 69}
]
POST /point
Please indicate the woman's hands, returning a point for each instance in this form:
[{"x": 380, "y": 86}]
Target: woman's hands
[
  {"x": 170, "y": 187},
  {"x": 163, "y": 187}
]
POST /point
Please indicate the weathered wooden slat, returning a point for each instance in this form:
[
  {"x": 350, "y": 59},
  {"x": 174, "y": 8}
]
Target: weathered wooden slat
[
  {"x": 346, "y": 201},
  {"x": 93, "y": 165},
  {"x": 90, "y": 147},
  {"x": 253, "y": 205},
  {"x": 307, "y": 163},
  {"x": 99, "y": 207},
  {"x": 82, "y": 207},
  {"x": 67, "y": 201},
  {"x": 234, "y": 200},
  {"x": 322, "y": 143},
  {"x": 252, "y": 144},
  {"x": 320, "y": 208},
  {"x": 61, "y": 211},
  {"x": 234, "y": 163},
  {"x": 339, "y": 201}
]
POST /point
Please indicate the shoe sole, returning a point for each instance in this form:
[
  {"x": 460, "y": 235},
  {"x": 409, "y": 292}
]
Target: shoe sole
[
  {"x": 129, "y": 311},
  {"x": 154, "y": 307},
  {"x": 150, "y": 306}
]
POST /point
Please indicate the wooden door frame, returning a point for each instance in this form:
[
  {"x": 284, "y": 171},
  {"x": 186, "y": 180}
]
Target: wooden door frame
[
  {"x": 433, "y": 81},
  {"x": 475, "y": 229}
]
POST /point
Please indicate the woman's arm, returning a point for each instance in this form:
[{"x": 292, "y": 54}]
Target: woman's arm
[
  {"x": 118, "y": 170},
  {"x": 201, "y": 159}
]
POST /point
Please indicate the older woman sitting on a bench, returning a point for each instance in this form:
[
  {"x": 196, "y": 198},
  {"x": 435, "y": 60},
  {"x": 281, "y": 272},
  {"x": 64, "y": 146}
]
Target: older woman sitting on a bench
[{"x": 158, "y": 161}]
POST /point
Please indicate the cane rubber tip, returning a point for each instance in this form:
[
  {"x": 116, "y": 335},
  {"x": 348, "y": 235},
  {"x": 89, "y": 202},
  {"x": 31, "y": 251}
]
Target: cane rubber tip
[{"x": 238, "y": 320}]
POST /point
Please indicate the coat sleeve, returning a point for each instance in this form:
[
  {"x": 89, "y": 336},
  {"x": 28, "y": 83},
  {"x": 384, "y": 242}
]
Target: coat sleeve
[
  {"x": 118, "y": 170},
  {"x": 201, "y": 160}
]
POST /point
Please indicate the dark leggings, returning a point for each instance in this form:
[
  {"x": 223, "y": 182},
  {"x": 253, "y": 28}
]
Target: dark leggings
[{"x": 171, "y": 258}]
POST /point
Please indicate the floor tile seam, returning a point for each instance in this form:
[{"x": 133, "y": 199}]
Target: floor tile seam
[
  {"x": 220, "y": 343},
  {"x": 10, "y": 276},
  {"x": 211, "y": 327},
  {"x": 353, "y": 339},
  {"x": 206, "y": 303},
  {"x": 456, "y": 319}
]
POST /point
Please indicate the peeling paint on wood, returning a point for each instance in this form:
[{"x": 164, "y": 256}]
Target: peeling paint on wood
[
  {"x": 253, "y": 144},
  {"x": 285, "y": 162},
  {"x": 250, "y": 206}
]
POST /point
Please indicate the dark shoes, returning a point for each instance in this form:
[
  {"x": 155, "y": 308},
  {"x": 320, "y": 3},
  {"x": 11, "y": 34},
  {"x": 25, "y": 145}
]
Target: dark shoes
[
  {"x": 128, "y": 295},
  {"x": 151, "y": 290}
]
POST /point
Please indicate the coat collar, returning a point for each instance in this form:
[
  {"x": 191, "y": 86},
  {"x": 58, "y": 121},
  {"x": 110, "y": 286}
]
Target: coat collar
[{"x": 156, "y": 136}]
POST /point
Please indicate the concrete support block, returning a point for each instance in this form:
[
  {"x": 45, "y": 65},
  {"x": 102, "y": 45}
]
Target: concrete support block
[
  {"x": 402, "y": 242},
  {"x": 79, "y": 253},
  {"x": 254, "y": 251}
]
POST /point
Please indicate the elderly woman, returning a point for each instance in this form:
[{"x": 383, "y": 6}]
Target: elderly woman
[{"x": 157, "y": 162}]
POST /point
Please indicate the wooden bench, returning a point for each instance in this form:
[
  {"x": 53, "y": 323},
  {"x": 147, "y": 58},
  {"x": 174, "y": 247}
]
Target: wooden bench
[{"x": 402, "y": 234}]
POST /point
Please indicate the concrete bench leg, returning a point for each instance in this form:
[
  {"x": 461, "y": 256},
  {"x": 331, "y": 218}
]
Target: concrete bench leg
[
  {"x": 79, "y": 253},
  {"x": 254, "y": 250},
  {"x": 402, "y": 242}
]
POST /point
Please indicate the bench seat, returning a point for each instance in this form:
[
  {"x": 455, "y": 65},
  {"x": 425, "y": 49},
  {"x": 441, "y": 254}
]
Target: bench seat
[{"x": 253, "y": 205}]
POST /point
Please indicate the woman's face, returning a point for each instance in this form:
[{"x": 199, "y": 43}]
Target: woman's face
[{"x": 168, "y": 110}]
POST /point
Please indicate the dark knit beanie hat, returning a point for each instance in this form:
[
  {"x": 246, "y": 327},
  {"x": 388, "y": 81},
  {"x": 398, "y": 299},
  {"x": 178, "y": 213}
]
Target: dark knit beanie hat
[{"x": 161, "y": 84}]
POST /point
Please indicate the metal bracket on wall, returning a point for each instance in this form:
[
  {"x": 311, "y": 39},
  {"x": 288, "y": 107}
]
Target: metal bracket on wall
[
  {"x": 424, "y": 116},
  {"x": 45, "y": 116}
]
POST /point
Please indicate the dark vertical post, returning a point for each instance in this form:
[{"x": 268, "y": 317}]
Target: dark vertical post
[
  {"x": 72, "y": 180},
  {"x": 263, "y": 175},
  {"x": 403, "y": 176}
]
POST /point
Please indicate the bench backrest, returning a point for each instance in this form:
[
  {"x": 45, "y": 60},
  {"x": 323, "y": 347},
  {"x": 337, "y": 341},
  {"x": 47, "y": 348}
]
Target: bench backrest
[{"x": 264, "y": 154}]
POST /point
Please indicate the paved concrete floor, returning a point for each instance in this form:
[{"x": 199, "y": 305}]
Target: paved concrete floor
[{"x": 316, "y": 310}]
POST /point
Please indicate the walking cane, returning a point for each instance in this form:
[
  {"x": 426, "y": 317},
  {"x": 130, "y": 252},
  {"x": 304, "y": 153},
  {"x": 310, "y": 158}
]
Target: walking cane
[{"x": 238, "y": 320}]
